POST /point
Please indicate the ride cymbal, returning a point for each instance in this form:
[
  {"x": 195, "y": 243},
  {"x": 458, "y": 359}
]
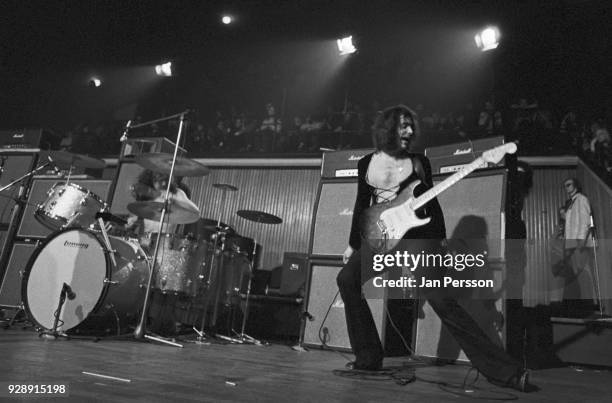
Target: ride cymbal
[{"x": 259, "y": 216}]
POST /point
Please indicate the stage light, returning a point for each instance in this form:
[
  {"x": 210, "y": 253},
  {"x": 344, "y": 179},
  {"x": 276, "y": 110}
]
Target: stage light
[
  {"x": 345, "y": 46},
  {"x": 95, "y": 82},
  {"x": 487, "y": 39},
  {"x": 227, "y": 19},
  {"x": 164, "y": 69}
]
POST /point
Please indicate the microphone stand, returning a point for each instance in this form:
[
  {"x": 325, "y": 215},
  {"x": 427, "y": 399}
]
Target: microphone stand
[
  {"x": 139, "y": 332},
  {"x": 54, "y": 334},
  {"x": 596, "y": 265}
]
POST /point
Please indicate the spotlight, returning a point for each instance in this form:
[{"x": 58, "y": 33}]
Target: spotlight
[
  {"x": 95, "y": 82},
  {"x": 345, "y": 46},
  {"x": 227, "y": 19},
  {"x": 487, "y": 39},
  {"x": 164, "y": 70}
]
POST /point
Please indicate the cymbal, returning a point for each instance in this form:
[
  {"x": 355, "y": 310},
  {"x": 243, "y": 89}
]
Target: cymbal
[
  {"x": 259, "y": 216},
  {"x": 65, "y": 160},
  {"x": 224, "y": 186},
  {"x": 177, "y": 213},
  {"x": 162, "y": 162}
]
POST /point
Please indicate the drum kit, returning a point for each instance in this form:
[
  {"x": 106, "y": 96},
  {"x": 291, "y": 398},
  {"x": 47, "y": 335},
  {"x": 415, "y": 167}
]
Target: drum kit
[{"x": 81, "y": 275}]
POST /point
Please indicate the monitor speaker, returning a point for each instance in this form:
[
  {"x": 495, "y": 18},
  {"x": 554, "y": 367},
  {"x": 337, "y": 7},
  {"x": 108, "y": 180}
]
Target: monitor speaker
[
  {"x": 333, "y": 217},
  {"x": 30, "y": 227}
]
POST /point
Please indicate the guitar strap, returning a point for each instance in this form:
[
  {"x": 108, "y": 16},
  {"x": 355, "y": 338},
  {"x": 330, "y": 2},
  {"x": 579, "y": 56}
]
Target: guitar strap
[{"x": 420, "y": 170}]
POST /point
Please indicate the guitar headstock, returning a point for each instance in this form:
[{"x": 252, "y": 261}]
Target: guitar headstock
[{"x": 494, "y": 155}]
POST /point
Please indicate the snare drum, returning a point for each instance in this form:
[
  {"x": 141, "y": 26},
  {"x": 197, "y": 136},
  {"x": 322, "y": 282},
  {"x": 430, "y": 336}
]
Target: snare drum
[
  {"x": 79, "y": 258},
  {"x": 176, "y": 261},
  {"x": 69, "y": 205}
]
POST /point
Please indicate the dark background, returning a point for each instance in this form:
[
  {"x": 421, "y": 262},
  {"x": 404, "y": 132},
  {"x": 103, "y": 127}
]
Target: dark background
[{"x": 557, "y": 52}]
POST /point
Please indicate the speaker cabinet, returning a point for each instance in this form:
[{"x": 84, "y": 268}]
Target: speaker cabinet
[
  {"x": 474, "y": 214},
  {"x": 333, "y": 217},
  {"x": 29, "y": 226},
  {"x": 326, "y": 308},
  {"x": 10, "y": 289},
  {"x": 13, "y": 166},
  {"x": 474, "y": 209},
  {"x": 127, "y": 175}
]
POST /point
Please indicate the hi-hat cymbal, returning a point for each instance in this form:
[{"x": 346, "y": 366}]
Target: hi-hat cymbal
[
  {"x": 162, "y": 162},
  {"x": 177, "y": 213},
  {"x": 225, "y": 186},
  {"x": 65, "y": 160},
  {"x": 259, "y": 216}
]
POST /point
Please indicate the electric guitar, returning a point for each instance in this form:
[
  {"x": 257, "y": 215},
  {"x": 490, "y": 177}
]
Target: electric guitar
[{"x": 383, "y": 225}]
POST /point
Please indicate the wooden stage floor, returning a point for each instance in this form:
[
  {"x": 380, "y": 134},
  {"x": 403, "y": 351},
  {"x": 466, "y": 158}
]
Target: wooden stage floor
[{"x": 245, "y": 373}]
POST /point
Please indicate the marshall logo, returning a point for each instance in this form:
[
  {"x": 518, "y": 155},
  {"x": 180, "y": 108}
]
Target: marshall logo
[
  {"x": 346, "y": 211},
  {"x": 354, "y": 157},
  {"x": 18, "y": 135},
  {"x": 460, "y": 151},
  {"x": 76, "y": 245}
]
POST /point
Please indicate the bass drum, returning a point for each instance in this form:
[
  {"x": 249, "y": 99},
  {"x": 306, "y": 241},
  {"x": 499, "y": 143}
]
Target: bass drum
[{"x": 79, "y": 259}]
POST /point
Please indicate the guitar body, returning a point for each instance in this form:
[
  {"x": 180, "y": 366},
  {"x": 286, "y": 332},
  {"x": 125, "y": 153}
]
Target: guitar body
[{"x": 383, "y": 225}]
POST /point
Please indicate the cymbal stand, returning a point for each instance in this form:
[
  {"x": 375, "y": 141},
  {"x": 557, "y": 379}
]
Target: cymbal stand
[
  {"x": 243, "y": 337},
  {"x": 213, "y": 275},
  {"x": 139, "y": 332}
]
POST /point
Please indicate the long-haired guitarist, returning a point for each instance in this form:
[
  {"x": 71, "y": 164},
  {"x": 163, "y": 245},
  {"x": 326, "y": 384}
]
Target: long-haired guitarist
[{"x": 382, "y": 175}]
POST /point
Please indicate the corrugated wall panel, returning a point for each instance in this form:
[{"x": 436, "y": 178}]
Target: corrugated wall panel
[
  {"x": 285, "y": 192},
  {"x": 540, "y": 215},
  {"x": 600, "y": 197}
]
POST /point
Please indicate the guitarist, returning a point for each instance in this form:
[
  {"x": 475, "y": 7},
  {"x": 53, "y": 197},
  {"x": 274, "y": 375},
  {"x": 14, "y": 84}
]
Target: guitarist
[{"x": 381, "y": 176}]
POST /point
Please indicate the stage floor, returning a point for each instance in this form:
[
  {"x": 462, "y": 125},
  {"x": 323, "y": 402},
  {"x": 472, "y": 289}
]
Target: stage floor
[{"x": 229, "y": 372}]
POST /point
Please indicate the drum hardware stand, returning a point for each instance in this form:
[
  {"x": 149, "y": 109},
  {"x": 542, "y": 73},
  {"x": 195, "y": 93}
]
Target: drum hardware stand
[
  {"x": 213, "y": 275},
  {"x": 140, "y": 332},
  {"x": 242, "y": 337}
]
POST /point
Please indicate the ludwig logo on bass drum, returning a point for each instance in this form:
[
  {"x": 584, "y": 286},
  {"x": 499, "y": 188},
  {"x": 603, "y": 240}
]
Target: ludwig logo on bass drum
[{"x": 76, "y": 245}]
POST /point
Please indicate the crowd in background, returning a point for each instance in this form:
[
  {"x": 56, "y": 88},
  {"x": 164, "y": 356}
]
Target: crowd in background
[{"x": 539, "y": 130}]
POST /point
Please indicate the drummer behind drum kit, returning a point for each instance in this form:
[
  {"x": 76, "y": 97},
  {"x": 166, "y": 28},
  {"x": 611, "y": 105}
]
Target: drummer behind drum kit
[{"x": 80, "y": 276}]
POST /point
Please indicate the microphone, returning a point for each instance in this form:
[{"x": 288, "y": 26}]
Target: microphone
[
  {"x": 69, "y": 293},
  {"x": 124, "y": 137}
]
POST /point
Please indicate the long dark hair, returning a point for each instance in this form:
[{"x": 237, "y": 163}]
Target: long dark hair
[
  {"x": 385, "y": 129},
  {"x": 148, "y": 179}
]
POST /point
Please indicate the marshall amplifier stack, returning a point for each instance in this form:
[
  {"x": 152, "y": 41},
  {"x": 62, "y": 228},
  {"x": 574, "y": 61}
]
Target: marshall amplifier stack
[{"x": 324, "y": 324}]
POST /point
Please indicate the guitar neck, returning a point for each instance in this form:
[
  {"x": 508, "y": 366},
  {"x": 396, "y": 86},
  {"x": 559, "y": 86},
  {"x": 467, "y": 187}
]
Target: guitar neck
[{"x": 446, "y": 183}]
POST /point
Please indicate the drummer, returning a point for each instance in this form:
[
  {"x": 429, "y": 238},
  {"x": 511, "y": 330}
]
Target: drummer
[{"x": 151, "y": 186}]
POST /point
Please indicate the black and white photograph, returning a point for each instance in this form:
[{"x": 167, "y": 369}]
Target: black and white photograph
[{"x": 306, "y": 200}]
